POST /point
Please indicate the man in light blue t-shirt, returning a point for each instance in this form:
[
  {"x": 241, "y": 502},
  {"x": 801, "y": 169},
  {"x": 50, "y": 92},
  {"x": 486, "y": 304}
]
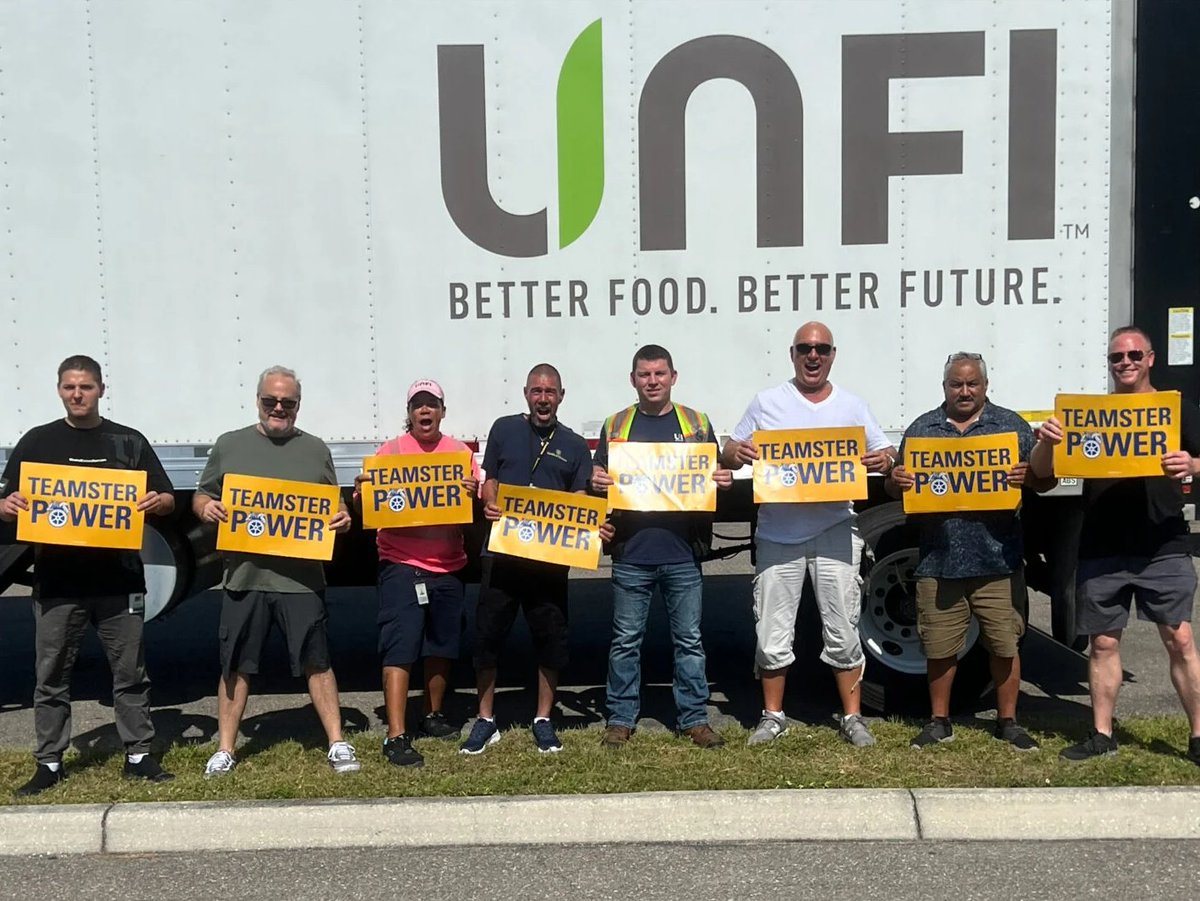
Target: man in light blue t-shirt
[{"x": 817, "y": 540}]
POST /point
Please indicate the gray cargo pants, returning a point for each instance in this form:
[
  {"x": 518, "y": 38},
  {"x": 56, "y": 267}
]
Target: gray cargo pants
[{"x": 59, "y": 626}]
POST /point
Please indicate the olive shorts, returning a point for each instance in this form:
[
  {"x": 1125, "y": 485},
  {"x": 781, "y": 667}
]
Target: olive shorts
[{"x": 945, "y": 607}]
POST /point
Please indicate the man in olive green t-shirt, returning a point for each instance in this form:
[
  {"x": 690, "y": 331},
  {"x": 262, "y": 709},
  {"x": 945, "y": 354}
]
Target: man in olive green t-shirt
[{"x": 260, "y": 589}]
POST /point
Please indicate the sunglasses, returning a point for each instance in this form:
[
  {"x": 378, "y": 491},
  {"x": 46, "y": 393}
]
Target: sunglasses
[
  {"x": 269, "y": 403},
  {"x": 1135, "y": 356},
  {"x": 803, "y": 349},
  {"x": 963, "y": 355}
]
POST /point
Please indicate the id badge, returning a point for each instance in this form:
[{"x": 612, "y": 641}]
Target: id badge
[
  {"x": 422, "y": 594},
  {"x": 137, "y": 603}
]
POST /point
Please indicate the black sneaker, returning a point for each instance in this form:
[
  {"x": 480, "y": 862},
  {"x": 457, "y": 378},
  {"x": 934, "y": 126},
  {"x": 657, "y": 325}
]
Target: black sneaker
[
  {"x": 400, "y": 752},
  {"x": 1008, "y": 730},
  {"x": 147, "y": 769},
  {"x": 43, "y": 779},
  {"x": 545, "y": 739},
  {"x": 435, "y": 725},
  {"x": 1098, "y": 745},
  {"x": 483, "y": 733},
  {"x": 937, "y": 731},
  {"x": 1194, "y": 749}
]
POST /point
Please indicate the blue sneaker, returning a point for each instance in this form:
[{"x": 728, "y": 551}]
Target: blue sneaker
[
  {"x": 483, "y": 733},
  {"x": 545, "y": 739}
]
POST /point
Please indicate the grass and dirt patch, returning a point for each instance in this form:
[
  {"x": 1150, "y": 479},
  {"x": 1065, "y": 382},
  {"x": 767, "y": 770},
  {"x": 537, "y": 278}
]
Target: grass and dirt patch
[{"x": 808, "y": 756}]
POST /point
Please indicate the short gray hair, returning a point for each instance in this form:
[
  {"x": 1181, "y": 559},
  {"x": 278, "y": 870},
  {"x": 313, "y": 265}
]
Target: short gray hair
[
  {"x": 965, "y": 357},
  {"x": 278, "y": 370}
]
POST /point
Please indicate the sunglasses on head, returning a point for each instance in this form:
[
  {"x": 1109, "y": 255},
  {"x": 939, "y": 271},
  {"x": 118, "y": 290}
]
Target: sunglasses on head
[
  {"x": 1135, "y": 356},
  {"x": 963, "y": 355},
  {"x": 803, "y": 349},
  {"x": 269, "y": 403}
]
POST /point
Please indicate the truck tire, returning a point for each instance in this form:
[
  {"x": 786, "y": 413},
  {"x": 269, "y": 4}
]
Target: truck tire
[
  {"x": 895, "y": 674},
  {"x": 1064, "y": 556},
  {"x": 168, "y": 565}
]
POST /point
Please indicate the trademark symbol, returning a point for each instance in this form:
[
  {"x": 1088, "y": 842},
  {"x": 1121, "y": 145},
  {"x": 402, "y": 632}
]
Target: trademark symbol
[{"x": 1072, "y": 230}]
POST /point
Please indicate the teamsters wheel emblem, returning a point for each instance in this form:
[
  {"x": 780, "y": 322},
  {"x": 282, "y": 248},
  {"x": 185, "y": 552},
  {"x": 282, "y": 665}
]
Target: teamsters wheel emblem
[
  {"x": 256, "y": 524},
  {"x": 57, "y": 515},
  {"x": 641, "y": 484},
  {"x": 1091, "y": 445},
  {"x": 939, "y": 483},
  {"x": 788, "y": 474},
  {"x": 396, "y": 501},
  {"x": 526, "y": 531}
]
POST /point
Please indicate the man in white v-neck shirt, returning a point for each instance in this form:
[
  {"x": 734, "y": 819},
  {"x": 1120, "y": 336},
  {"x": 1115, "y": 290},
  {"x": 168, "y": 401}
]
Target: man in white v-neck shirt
[{"x": 817, "y": 540}]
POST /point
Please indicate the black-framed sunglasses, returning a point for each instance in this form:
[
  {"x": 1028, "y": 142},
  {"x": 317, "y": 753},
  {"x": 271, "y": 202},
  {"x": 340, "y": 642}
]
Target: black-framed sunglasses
[
  {"x": 1135, "y": 356},
  {"x": 803, "y": 349},
  {"x": 269, "y": 403}
]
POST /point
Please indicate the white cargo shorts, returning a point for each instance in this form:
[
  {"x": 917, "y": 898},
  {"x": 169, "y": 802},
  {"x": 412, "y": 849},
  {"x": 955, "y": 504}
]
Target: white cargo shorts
[{"x": 832, "y": 559}]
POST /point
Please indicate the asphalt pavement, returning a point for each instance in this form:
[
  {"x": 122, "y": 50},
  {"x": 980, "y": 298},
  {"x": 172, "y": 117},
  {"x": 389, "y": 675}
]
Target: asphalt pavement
[{"x": 750, "y": 871}]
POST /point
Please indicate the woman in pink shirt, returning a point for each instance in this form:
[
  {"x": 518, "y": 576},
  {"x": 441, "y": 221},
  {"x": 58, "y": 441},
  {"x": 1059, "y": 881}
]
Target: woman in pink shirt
[{"x": 421, "y": 590}]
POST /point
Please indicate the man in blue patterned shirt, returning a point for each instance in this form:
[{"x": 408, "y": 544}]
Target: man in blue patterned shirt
[{"x": 971, "y": 562}]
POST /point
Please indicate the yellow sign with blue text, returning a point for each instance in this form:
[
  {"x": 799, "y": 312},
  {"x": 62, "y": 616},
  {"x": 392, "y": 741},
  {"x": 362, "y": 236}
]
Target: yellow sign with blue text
[
  {"x": 416, "y": 490},
  {"x": 1115, "y": 436},
  {"x": 662, "y": 476},
  {"x": 551, "y": 526},
  {"x": 83, "y": 506},
  {"x": 960, "y": 474},
  {"x": 277, "y": 517},
  {"x": 810, "y": 465}
]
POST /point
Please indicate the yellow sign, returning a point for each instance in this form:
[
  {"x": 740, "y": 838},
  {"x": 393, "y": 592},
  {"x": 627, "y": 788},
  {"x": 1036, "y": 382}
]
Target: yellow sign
[
  {"x": 662, "y": 476},
  {"x": 807, "y": 465},
  {"x": 551, "y": 526},
  {"x": 1115, "y": 435},
  {"x": 278, "y": 517},
  {"x": 84, "y": 506},
  {"x": 957, "y": 474},
  {"x": 416, "y": 490}
]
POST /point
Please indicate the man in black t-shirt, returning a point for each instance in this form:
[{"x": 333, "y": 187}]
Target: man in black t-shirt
[
  {"x": 537, "y": 450},
  {"x": 77, "y": 585},
  {"x": 1134, "y": 546},
  {"x": 657, "y": 550}
]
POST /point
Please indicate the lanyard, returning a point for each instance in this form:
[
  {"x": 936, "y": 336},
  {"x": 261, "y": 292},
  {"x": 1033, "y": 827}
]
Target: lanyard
[{"x": 542, "y": 451}]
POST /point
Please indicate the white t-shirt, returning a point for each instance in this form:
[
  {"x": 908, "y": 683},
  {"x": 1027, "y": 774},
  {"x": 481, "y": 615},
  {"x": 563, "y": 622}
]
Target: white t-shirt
[{"x": 784, "y": 407}]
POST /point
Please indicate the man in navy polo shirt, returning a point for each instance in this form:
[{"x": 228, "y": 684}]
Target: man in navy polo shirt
[{"x": 537, "y": 450}]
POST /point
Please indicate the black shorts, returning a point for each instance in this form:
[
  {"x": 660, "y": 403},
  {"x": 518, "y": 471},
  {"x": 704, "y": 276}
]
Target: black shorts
[
  {"x": 540, "y": 589},
  {"x": 1162, "y": 588},
  {"x": 246, "y": 618},
  {"x": 409, "y": 629}
]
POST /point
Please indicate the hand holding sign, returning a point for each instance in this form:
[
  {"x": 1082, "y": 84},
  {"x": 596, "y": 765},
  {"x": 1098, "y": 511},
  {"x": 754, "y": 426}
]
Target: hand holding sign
[
  {"x": 279, "y": 517},
  {"x": 1117, "y": 435},
  {"x": 421, "y": 489},
  {"x": 811, "y": 465},
  {"x": 83, "y": 506},
  {"x": 551, "y": 526},
  {"x": 960, "y": 474}
]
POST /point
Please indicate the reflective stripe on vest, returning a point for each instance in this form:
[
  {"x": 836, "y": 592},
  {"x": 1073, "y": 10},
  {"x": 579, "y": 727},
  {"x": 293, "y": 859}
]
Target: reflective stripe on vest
[{"x": 692, "y": 423}]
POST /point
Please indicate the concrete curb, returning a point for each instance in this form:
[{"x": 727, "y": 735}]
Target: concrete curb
[{"x": 802, "y": 815}]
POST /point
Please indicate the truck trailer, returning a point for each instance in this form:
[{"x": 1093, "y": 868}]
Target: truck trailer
[{"x": 373, "y": 192}]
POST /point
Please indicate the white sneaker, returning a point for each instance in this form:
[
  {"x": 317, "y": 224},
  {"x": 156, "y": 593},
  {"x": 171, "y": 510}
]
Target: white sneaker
[
  {"x": 342, "y": 758},
  {"x": 770, "y": 727},
  {"x": 220, "y": 764}
]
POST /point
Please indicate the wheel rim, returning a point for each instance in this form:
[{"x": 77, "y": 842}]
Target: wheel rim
[
  {"x": 162, "y": 573},
  {"x": 888, "y": 624}
]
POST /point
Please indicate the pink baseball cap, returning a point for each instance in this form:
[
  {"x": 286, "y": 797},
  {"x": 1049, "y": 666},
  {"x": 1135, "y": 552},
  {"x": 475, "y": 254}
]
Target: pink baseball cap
[{"x": 428, "y": 386}]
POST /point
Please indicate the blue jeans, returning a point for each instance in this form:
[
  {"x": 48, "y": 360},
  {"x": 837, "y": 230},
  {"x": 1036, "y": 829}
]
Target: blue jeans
[{"x": 682, "y": 592}]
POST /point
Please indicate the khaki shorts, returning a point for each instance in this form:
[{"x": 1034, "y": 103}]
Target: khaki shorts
[{"x": 945, "y": 606}]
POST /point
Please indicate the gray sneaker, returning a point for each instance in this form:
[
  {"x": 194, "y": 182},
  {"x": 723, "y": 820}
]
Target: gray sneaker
[
  {"x": 342, "y": 758},
  {"x": 769, "y": 728},
  {"x": 854, "y": 730}
]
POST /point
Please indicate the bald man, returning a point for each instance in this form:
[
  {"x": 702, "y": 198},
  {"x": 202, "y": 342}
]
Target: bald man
[{"x": 819, "y": 541}]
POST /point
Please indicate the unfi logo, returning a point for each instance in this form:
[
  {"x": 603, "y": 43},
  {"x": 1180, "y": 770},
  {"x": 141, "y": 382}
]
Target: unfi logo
[{"x": 870, "y": 153}]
